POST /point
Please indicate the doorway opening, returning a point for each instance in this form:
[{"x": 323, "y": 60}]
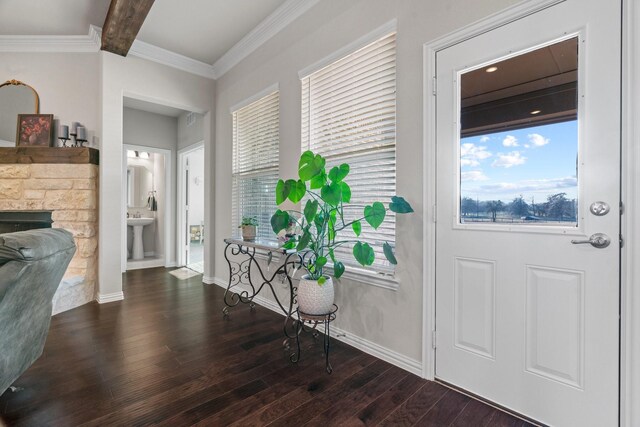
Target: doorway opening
[{"x": 191, "y": 208}]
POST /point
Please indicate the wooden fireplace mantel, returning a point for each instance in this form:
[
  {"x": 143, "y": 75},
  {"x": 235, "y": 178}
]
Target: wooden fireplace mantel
[{"x": 59, "y": 155}]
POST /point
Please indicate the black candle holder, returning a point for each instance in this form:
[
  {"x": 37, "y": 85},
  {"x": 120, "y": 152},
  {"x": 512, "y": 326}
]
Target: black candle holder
[
  {"x": 81, "y": 142},
  {"x": 64, "y": 141}
]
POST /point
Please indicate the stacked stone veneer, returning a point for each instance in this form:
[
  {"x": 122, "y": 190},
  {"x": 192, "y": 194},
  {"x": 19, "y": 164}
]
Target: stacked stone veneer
[{"x": 70, "y": 191}]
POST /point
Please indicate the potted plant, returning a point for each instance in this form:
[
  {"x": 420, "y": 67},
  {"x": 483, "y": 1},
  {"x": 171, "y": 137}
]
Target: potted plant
[
  {"x": 321, "y": 222},
  {"x": 248, "y": 225}
]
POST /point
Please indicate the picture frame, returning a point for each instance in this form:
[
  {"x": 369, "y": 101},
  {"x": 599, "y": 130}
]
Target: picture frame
[{"x": 34, "y": 130}]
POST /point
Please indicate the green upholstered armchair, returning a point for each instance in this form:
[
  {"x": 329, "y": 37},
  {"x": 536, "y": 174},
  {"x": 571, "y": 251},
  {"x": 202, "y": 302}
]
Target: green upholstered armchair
[{"x": 32, "y": 264}]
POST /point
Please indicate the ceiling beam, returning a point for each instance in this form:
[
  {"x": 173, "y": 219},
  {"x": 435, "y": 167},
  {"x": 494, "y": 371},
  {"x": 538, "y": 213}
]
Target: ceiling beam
[{"x": 122, "y": 24}]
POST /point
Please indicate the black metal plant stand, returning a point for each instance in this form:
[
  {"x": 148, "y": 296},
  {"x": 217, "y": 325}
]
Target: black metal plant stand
[{"x": 247, "y": 279}]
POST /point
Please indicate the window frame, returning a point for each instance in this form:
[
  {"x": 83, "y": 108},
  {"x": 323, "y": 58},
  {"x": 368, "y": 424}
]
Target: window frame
[
  {"x": 376, "y": 276},
  {"x": 236, "y": 214}
]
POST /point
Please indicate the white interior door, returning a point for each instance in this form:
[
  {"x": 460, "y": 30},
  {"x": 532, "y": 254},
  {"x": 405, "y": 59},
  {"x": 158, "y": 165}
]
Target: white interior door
[{"x": 528, "y": 119}]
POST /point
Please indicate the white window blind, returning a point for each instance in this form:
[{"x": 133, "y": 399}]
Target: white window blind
[
  {"x": 255, "y": 162},
  {"x": 349, "y": 116}
]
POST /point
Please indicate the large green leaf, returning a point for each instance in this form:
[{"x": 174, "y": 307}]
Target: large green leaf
[
  {"x": 310, "y": 165},
  {"x": 304, "y": 240},
  {"x": 388, "y": 252},
  {"x": 346, "y": 192},
  {"x": 321, "y": 261},
  {"x": 318, "y": 181},
  {"x": 331, "y": 193},
  {"x": 357, "y": 227},
  {"x": 310, "y": 209},
  {"x": 338, "y": 269},
  {"x": 332, "y": 256},
  {"x": 298, "y": 190},
  {"x": 363, "y": 253},
  {"x": 281, "y": 193},
  {"x": 400, "y": 205},
  {"x": 279, "y": 221},
  {"x": 338, "y": 173},
  {"x": 374, "y": 214}
]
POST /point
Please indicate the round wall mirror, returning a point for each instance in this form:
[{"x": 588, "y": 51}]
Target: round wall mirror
[{"x": 16, "y": 98}]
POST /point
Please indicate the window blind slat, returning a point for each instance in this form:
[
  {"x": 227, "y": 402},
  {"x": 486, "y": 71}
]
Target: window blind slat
[
  {"x": 256, "y": 138},
  {"x": 349, "y": 115}
]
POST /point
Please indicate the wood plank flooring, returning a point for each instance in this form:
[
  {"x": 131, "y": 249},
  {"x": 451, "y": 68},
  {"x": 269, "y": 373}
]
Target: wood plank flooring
[{"x": 166, "y": 356}]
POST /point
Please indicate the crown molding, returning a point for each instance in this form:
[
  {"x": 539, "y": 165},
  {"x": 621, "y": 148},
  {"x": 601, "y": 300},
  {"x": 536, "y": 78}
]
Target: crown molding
[
  {"x": 66, "y": 44},
  {"x": 163, "y": 56},
  {"x": 272, "y": 24}
]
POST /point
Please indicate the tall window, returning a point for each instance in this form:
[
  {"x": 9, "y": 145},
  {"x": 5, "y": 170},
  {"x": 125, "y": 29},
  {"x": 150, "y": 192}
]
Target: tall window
[
  {"x": 349, "y": 115},
  {"x": 255, "y": 162}
]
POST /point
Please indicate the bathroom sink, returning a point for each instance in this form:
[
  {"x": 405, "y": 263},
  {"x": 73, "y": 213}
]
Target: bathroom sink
[
  {"x": 138, "y": 224},
  {"x": 139, "y": 221}
]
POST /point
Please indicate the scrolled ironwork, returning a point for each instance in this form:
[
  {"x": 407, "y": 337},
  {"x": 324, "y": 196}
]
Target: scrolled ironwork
[{"x": 247, "y": 279}]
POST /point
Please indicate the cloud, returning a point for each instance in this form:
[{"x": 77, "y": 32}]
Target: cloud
[
  {"x": 484, "y": 139},
  {"x": 469, "y": 162},
  {"x": 533, "y": 185},
  {"x": 475, "y": 175},
  {"x": 538, "y": 140},
  {"x": 472, "y": 155},
  {"x": 508, "y": 160},
  {"x": 510, "y": 141}
]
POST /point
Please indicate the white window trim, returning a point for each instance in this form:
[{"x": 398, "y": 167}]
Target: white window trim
[
  {"x": 255, "y": 97},
  {"x": 360, "y": 275},
  {"x": 239, "y": 105}
]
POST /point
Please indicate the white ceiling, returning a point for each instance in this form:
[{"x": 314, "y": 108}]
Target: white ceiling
[
  {"x": 203, "y": 29},
  {"x": 51, "y": 17},
  {"x": 200, "y": 29}
]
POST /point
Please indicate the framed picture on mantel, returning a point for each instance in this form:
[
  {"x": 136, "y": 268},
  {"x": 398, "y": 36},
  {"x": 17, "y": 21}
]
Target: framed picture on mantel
[{"x": 34, "y": 130}]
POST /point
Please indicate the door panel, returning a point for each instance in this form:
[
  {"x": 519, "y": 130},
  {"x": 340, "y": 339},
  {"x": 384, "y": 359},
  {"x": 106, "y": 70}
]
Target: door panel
[{"x": 525, "y": 317}]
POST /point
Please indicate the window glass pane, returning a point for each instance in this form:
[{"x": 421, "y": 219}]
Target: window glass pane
[{"x": 519, "y": 139}]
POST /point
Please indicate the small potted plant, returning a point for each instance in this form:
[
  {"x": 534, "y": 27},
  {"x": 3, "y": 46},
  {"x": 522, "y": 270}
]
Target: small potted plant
[
  {"x": 248, "y": 225},
  {"x": 321, "y": 222}
]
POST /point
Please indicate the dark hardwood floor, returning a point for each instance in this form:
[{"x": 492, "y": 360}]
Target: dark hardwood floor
[{"x": 166, "y": 356}]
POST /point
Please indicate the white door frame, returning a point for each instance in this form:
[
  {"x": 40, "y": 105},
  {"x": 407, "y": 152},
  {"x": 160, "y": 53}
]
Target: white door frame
[
  {"x": 181, "y": 198},
  {"x": 168, "y": 202},
  {"x": 630, "y": 293},
  {"x": 630, "y": 296}
]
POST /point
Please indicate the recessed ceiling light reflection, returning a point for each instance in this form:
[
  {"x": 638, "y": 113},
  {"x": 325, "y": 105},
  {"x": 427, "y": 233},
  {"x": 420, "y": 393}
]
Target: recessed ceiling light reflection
[
  {"x": 534, "y": 112},
  {"x": 491, "y": 69}
]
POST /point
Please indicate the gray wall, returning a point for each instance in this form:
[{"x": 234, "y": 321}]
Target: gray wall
[
  {"x": 189, "y": 135},
  {"x": 149, "y": 129},
  {"x": 392, "y": 319},
  {"x": 70, "y": 93}
]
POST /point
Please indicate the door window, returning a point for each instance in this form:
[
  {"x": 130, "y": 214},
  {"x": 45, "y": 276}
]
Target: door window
[{"x": 518, "y": 144}]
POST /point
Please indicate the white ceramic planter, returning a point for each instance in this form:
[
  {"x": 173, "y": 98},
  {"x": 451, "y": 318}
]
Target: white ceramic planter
[
  {"x": 313, "y": 298},
  {"x": 248, "y": 232}
]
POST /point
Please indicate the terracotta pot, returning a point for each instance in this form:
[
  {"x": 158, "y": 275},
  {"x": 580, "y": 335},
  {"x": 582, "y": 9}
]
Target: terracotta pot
[
  {"x": 314, "y": 298},
  {"x": 248, "y": 232}
]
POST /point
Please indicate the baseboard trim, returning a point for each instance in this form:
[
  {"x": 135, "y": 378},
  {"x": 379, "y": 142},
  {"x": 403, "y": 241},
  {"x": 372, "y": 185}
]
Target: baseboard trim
[
  {"x": 208, "y": 280},
  {"x": 112, "y": 297},
  {"x": 408, "y": 364}
]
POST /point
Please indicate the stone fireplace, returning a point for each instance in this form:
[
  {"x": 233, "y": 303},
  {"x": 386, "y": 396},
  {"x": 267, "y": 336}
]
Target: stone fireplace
[{"x": 65, "y": 182}]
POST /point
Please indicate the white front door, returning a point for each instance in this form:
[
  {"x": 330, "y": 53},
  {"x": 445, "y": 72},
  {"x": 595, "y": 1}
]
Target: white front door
[{"x": 528, "y": 138}]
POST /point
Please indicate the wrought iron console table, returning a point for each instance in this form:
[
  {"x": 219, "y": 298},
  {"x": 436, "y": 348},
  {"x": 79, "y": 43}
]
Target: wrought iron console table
[{"x": 247, "y": 278}]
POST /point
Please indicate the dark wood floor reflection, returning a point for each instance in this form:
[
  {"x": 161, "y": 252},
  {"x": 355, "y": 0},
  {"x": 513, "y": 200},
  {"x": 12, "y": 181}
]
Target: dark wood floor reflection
[{"x": 166, "y": 356}]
